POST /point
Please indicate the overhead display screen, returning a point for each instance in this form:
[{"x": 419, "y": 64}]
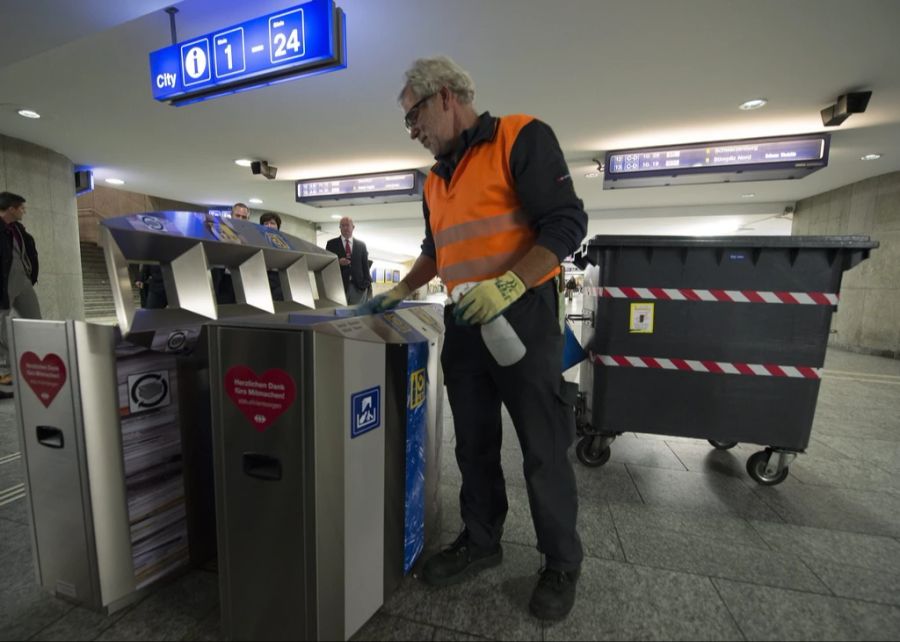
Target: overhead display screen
[
  {"x": 772, "y": 158},
  {"x": 719, "y": 155},
  {"x": 299, "y": 41},
  {"x": 368, "y": 184}
]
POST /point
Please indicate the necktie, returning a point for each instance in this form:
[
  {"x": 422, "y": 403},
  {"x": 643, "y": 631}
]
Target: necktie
[{"x": 347, "y": 247}]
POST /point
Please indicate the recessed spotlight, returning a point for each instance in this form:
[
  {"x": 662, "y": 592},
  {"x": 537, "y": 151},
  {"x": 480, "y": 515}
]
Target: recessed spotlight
[
  {"x": 256, "y": 201},
  {"x": 870, "y": 157},
  {"x": 243, "y": 162},
  {"x": 756, "y": 103},
  {"x": 594, "y": 174},
  {"x": 28, "y": 113},
  {"x": 115, "y": 181},
  {"x": 336, "y": 216},
  {"x": 748, "y": 195}
]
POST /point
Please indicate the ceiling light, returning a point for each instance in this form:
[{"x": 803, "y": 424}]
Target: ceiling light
[
  {"x": 592, "y": 175},
  {"x": 336, "y": 216},
  {"x": 870, "y": 157},
  {"x": 756, "y": 103},
  {"x": 748, "y": 195},
  {"x": 256, "y": 201},
  {"x": 28, "y": 113},
  {"x": 243, "y": 162},
  {"x": 115, "y": 181}
]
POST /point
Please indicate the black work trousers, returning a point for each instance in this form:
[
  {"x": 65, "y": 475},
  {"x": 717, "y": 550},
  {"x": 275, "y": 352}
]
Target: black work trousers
[{"x": 544, "y": 422}]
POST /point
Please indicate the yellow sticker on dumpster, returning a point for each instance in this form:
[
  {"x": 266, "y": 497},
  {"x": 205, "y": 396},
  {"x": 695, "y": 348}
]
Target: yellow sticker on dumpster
[{"x": 641, "y": 318}]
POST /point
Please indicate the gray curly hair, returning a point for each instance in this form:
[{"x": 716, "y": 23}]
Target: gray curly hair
[{"x": 428, "y": 75}]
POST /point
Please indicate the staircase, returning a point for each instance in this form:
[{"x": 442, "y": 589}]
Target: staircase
[{"x": 98, "y": 300}]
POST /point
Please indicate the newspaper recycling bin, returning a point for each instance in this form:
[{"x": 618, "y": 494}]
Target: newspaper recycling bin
[
  {"x": 326, "y": 437},
  {"x": 718, "y": 338},
  {"x": 106, "y": 462},
  {"x": 114, "y": 421}
]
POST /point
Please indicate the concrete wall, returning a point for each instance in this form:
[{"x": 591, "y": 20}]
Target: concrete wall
[
  {"x": 106, "y": 202},
  {"x": 46, "y": 180},
  {"x": 868, "y": 318},
  {"x": 292, "y": 225}
]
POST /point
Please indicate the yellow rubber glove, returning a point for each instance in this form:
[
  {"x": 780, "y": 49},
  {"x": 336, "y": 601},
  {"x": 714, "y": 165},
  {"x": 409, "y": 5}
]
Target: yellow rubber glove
[
  {"x": 488, "y": 299},
  {"x": 387, "y": 301}
]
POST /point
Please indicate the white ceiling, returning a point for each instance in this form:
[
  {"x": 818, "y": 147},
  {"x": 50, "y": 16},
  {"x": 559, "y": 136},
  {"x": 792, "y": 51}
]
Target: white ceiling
[{"x": 605, "y": 74}]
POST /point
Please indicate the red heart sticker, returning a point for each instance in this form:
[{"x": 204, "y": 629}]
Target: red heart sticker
[
  {"x": 262, "y": 399},
  {"x": 44, "y": 376}
]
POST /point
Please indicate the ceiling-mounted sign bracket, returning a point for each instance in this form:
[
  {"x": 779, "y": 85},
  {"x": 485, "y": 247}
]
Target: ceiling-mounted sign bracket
[
  {"x": 172, "y": 11},
  {"x": 303, "y": 40}
]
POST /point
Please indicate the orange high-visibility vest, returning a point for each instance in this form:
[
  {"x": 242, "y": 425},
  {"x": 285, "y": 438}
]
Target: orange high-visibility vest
[{"x": 479, "y": 227}]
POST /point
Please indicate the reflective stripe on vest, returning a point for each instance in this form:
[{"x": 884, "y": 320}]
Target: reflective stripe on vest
[{"x": 479, "y": 228}]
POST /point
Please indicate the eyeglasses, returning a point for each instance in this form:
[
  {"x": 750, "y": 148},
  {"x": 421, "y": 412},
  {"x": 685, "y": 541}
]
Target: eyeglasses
[{"x": 412, "y": 116}]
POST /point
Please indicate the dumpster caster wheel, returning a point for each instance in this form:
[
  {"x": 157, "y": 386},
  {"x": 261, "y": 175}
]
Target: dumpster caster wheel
[
  {"x": 592, "y": 455},
  {"x": 756, "y": 467},
  {"x": 722, "y": 445}
]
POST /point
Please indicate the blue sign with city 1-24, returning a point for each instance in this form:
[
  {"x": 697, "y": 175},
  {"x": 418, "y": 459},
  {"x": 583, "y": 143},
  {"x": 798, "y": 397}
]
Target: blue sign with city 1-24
[{"x": 300, "y": 41}]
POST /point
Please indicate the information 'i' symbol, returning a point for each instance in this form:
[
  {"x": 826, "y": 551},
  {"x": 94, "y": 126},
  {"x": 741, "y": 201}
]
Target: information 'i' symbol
[{"x": 195, "y": 62}]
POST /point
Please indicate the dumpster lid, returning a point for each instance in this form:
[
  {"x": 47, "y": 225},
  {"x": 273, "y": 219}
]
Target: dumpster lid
[{"x": 624, "y": 240}]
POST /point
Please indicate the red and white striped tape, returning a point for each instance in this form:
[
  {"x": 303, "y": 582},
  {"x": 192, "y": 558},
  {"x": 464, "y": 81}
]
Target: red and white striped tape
[
  {"x": 714, "y": 367},
  {"x": 730, "y": 296}
]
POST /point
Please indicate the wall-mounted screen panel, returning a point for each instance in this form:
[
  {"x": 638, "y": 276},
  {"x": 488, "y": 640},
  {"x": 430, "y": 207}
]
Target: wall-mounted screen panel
[
  {"x": 385, "y": 187},
  {"x": 775, "y": 158}
]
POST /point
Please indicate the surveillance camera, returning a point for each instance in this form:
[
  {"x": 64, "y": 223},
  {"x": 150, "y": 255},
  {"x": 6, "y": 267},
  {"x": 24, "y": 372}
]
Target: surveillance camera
[
  {"x": 263, "y": 167},
  {"x": 852, "y": 103}
]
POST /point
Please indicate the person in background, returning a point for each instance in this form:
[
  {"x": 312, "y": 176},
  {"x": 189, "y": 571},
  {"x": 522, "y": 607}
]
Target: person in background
[
  {"x": 571, "y": 286},
  {"x": 271, "y": 219},
  {"x": 152, "y": 287},
  {"x": 18, "y": 273},
  {"x": 500, "y": 212},
  {"x": 354, "y": 260},
  {"x": 222, "y": 284},
  {"x": 240, "y": 211}
]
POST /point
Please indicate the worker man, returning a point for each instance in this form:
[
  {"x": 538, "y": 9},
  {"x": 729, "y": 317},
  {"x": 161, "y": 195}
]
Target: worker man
[{"x": 500, "y": 212}]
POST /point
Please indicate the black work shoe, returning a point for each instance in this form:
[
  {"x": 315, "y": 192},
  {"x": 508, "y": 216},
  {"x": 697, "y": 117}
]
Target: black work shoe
[
  {"x": 459, "y": 562},
  {"x": 554, "y": 595}
]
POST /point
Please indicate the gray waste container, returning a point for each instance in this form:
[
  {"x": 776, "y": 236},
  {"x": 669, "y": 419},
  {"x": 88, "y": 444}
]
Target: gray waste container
[{"x": 719, "y": 338}]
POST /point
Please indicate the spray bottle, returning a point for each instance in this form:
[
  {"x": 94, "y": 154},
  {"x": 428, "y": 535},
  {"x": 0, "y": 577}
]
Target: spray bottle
[{"x": 498, "y": 335}]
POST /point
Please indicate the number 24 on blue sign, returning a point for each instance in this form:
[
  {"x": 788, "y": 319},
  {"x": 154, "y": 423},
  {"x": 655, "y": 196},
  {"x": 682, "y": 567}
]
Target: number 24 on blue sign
[{"x": 286, "y": 36}]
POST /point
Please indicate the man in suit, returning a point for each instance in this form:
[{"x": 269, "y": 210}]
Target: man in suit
[{"x": 354, "y": 260}]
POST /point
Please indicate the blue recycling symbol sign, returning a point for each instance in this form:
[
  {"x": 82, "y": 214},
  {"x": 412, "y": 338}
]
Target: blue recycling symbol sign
[{"x": 365, "y": 411}]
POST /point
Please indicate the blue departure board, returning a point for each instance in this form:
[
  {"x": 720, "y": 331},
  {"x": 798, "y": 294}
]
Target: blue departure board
[{"x": 299, "y": 41}]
